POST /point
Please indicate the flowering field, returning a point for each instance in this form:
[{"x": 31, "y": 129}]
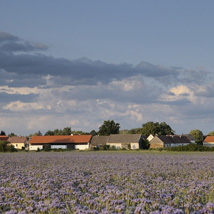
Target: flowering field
[{"x": 106, "y": 182}]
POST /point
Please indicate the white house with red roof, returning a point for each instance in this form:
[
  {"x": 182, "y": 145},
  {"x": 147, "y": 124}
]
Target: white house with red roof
[{"x": 80, "y": 142}]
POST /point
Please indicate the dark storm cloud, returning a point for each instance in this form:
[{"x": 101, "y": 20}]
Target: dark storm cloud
[
  {"x": 5, "y": 37},
  {"x": 22, "y": 57},
  {"x": 12, "y": 44}
]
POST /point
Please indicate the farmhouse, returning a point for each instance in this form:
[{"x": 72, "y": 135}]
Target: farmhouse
[
  {"x": 98, "y": 141},
  {"x": 126, "y": 141},
  {"x": 169, "y": 141},
  {"x": 18, "y": 142},
  {"x": 80, "y": 142},
  {"x": 209, "y": 141}
]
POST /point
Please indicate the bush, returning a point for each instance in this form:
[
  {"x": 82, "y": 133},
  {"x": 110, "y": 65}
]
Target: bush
[
  {"x": 47, "y": 148},
  {"x": 191, "y": 147},
  {"x": 113, "y": 148},
  {"x": 11, "y": 148},
  {"x": 4, "y": 147}
]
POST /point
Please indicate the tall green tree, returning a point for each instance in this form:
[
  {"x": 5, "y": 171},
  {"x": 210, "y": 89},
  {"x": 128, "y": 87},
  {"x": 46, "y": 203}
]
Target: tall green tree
[
  {"x": 109, "y": 127},
  {"x": 198, "y": 135},
  {"x": 156, "y": 128},
  {"x": 2, "y": 133}
]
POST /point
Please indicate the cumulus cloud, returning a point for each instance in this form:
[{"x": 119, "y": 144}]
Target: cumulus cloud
[
  {"x": 21, "y": 106},
  {"x": 56, "y": 92}
]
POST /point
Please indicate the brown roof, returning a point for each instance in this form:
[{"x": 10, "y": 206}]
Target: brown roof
[
  {"x": 124, "y": 138},
  {"x": 99, "y": 140},
  {"x": 209, "y": 139},
  {"x": 61, "y": 139},
  {"x": 16, "y": 139},
  {"x": 3, "y": 137}
]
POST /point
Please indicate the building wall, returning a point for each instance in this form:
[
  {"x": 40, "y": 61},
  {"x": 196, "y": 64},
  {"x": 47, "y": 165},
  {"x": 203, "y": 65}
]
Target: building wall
[
  {"x": 134, "y": 145},
  {"x": 179, "y": 144},
  {"x": 18, "y": 145},
  {"x": 210, "y": 144},
  {"x": 117, "y": 145},
  {"x": 155, "y": 145},
  {"x": 58, "y": 146},
  {"x": 35, "y": 147},
  {"x": 82, "y": 146}
]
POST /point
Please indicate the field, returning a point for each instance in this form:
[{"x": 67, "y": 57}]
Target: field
[{"x": 106, "y": 182}]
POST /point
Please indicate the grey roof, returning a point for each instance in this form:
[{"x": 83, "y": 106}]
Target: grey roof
[
  {"x": 189, "y": 136},
  {"x": 124, "y": 138},
  {"x": 172, "y": 139},
  {"x": 99, "y": 140}
]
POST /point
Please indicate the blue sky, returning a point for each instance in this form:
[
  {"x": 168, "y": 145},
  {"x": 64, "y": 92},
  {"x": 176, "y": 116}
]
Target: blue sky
[{"x": 77, "y": 63}]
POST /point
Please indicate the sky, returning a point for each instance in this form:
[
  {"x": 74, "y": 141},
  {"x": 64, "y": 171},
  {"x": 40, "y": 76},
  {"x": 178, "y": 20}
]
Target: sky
[{"x": 76, "y": 63}]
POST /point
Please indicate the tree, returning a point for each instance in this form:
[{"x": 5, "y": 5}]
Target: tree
[
  {"x": 93, "y": 132},
  {"x": 2, "y": 133},
  {"x": 135, "y": 131},
  {"x": 156, "y": 128},
  {"x": 198, "y": 135},
  {"x": 124, "y": 131},
  {"x": 145, "y": 144},
  {"x": 49, "y": 133},
  {"x": 66, "y": 131},
  {"x": 38, "y": 133},
  {"x": 109, "y": 127},
  {"x": 12, "y": 135},
  {"x": 211, "y": 133},
  {"x": 3, "y": 146},
  {"x": 165, "y": 129}
]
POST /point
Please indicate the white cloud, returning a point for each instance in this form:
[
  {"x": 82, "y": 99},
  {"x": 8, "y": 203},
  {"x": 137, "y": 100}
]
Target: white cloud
[
  {"x": 19, "y": 90},
  {"x": 128, "y": 84},
  {"x": 21, "y": 106}
]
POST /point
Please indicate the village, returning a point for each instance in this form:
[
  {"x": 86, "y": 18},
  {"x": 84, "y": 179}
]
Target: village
[{"x": 90, "y": 142}]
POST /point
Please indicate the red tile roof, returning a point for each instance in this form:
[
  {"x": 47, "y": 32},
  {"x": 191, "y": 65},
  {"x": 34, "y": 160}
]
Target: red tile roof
[
  {"x": 60, "y": 139},
  {"x": 3, "y": 137},
  {"x": 209, "y": 139}
]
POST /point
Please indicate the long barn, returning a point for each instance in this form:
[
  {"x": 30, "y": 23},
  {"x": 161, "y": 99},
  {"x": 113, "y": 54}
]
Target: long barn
[{"x": 80, "y": 142}]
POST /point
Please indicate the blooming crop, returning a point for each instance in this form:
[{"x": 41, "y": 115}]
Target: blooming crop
[{"x": 106, "y": 182}]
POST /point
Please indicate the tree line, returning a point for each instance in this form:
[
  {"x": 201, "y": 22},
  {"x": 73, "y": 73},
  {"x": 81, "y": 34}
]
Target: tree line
[{"x": 111, "y": 127}]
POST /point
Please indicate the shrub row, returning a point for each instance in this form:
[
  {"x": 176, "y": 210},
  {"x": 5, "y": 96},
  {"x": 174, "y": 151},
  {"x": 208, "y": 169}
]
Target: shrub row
[{"x": 191, "y": 147}]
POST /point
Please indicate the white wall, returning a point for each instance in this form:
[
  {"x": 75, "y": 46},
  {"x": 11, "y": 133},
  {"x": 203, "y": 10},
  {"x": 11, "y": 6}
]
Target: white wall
[
  {"x": 179, "y": 144},
  {"x": 82, "y": 147},
  {"x": 35, "y": 147},
  {"x": 58, "y": 146},
  {"x": 211, "y": 144},
  {"x": 134, "y": 145}
]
